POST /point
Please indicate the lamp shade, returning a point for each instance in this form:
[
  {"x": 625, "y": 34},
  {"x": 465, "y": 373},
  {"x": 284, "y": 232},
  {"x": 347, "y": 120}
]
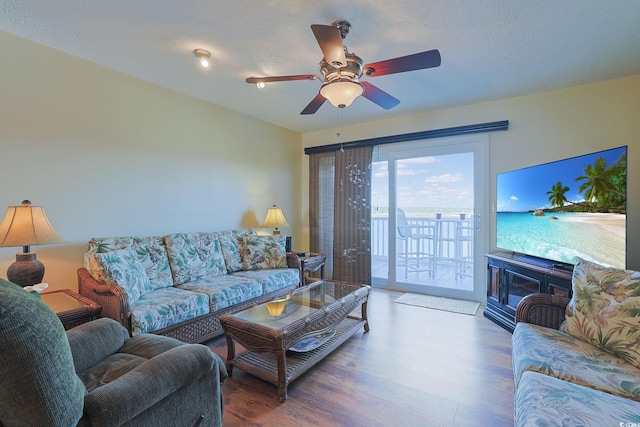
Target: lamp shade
[
  {"x": 341, "y": 93},
  {"x": 274, "y": 219},
  {"x": 26, "y": 225}
]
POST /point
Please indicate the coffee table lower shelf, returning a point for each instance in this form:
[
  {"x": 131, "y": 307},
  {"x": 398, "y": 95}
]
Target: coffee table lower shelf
[{"x": 265, "y": 366}]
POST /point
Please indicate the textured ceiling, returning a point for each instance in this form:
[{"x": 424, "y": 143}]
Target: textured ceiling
[{"x": 490, "y": 48}]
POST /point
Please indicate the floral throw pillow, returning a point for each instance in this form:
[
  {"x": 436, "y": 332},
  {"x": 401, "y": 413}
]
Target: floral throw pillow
[
  {"x": 262, "y": 252},
  {"x": 605, "y": 309},
  {"x": 123, "y": 267},
  {"x": 194, "y": 256},
  {"x": 229, "y": 241}
]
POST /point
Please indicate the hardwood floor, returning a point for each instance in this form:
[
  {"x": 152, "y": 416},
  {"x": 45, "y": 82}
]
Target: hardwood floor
[{"x": 416, "y": 367}]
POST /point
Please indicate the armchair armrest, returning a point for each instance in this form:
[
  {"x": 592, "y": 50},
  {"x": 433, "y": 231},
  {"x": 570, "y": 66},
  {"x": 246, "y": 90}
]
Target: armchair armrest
[
  {"x": 542, "y": 309},
  {"x": 293, "y": 261},
  {"x": 124, "y": 398},
  {"x": 112, "y": 298},
  {"x": 94, "y": 341}
]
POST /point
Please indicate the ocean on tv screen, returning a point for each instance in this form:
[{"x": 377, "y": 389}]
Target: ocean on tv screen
[{"x": 559, "y": 236}]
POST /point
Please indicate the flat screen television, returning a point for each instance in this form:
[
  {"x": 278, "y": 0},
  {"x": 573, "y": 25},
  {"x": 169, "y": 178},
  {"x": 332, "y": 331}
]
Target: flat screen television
[{"x": 569, "y": 208}]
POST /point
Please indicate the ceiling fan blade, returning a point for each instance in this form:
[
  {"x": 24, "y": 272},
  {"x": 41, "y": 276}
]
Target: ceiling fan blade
[
  {"x": 330, "y": 41},
  {"x": 281, "y": 78},
  {"x": 417, "y": 61},
  {"x": 378, "y": 96},
  {"x": 314, "y": 105}
]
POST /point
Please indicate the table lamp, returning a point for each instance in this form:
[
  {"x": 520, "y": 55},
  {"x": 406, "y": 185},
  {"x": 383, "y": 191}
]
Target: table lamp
[
  {"x": 274, "y": 219},
  {"x": 24, "y": 226}
]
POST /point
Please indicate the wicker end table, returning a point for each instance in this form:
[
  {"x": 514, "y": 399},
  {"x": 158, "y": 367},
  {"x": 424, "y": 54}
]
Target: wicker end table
[
  {"x": 312, "y": 263},
  {"x": 315, "y": 321},
  {"x": 71, "y": 308}
]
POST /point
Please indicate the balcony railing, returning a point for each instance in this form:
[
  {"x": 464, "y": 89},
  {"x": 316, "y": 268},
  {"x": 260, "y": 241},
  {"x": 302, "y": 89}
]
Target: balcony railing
[
  {"x": 451, "y": 249},
  {"x": 450, "y": 231}
]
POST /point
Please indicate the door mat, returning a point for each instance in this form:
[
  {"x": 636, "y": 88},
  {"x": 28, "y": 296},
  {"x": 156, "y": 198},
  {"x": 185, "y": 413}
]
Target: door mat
[{"x": 440, "y": 303}]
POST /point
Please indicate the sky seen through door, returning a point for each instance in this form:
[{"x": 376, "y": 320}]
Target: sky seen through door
[{"x": 426, "y": 185}]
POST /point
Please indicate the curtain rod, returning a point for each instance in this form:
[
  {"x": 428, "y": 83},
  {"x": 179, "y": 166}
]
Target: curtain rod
[{"x": 414, "y": 136}]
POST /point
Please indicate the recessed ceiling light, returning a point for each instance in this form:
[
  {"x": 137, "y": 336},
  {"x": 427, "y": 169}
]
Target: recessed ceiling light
[
  {"x": 260, "y": 85},
  {"x": 203, "y": 55}
]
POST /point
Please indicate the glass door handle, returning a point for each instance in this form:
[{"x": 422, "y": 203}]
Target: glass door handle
[{"x": 477, "y": 221}]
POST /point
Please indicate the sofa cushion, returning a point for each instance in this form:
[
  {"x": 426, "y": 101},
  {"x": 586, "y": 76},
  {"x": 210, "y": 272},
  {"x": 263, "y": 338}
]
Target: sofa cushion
[
  {"x": 274, "y": 279},
  {"x": 122, "y": 266},
  {"x": 554, "y": 353},
  {"x": 541, "y": 400},
  {"x": 194, "y": 256},
  {"x": 166, "y": 307},
  {"x": 605, "y": 309},
  {"x": 225, "y": 291},
  {"x": 262, "y": 252},
  {"x": 229, "y": 241},
  {"x": 150, "y": 251}
]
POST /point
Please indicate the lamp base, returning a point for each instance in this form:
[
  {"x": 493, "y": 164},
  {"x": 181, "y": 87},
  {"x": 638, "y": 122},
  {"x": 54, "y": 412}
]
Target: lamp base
[{"x": 26, "y": 271}]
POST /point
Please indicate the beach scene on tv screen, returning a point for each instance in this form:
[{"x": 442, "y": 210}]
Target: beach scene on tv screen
[{"x": 565, "y": 209}]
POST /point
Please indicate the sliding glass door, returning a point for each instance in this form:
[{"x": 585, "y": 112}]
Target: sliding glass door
[{"x": 427, "y": 211}]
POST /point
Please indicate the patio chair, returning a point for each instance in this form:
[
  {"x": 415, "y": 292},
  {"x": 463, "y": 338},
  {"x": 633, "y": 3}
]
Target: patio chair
[
  {"x": 418, "y": 245},
  {"x": 463, "y": 249}
]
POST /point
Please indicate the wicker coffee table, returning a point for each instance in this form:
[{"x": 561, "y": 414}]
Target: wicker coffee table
[{"x": 314, "y": 322}]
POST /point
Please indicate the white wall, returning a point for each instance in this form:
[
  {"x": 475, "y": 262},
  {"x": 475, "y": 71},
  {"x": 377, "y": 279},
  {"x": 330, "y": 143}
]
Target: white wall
[
  {"x": 110, "y": 155},
  {"x": 542, "y": 127}
]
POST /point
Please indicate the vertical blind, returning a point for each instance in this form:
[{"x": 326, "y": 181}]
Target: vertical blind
[{"x": 340, "y": 212}]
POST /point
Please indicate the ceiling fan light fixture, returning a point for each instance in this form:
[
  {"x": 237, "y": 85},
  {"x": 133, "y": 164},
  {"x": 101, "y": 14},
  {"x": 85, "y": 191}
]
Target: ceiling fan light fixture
[
  {"x": 341, "y": 93},
  {"x": 260, "y": 85},
  {"x": 341, "y": 71},
  {"x": 203, "y": 56}
]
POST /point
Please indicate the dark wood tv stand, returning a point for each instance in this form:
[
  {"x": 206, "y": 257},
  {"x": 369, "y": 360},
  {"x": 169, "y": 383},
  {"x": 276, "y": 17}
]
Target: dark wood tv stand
[{"x": 510, "y": 277}]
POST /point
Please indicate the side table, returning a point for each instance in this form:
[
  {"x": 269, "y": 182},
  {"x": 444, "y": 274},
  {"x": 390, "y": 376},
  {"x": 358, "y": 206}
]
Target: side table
[
  {"x": 72, "y": 308},
  {"x": 310, "y": 264}
]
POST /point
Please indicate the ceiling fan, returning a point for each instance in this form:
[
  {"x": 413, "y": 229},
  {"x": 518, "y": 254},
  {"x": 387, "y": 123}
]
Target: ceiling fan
[{"x": 341, "y": 71}]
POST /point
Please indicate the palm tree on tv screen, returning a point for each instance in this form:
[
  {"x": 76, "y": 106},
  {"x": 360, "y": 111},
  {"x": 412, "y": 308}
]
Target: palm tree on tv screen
[
  {"x": 598, "y": 185},
  {"x": 557, "y": 194}
]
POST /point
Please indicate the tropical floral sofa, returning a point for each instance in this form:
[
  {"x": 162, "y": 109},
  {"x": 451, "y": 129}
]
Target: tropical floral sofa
[
  {"x": 577, "y": 362},
  {"x": 179, "y": 285}
]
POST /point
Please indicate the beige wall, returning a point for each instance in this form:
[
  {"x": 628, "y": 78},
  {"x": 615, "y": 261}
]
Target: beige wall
[
  {"x": 542, "y": 127},
  {"x": 110, "y": 155}
]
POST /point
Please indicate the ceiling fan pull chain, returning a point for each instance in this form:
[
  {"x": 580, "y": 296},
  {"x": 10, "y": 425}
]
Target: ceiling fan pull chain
[{"x": 340, "y": 113}]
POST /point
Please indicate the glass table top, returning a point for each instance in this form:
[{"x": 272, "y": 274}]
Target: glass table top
[
  {"x": 301, "y": 304},
  {"x": 60, "y": 302}
]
